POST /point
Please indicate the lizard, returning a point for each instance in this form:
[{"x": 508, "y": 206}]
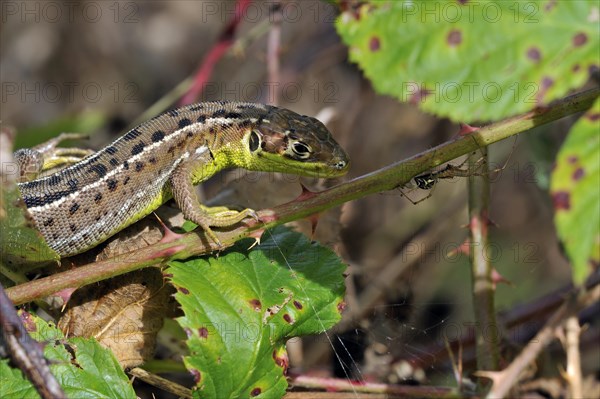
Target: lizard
[{"x": 82, "y": 205}]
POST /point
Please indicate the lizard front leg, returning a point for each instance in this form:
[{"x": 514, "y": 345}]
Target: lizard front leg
[{"x": 184, "y": 194}]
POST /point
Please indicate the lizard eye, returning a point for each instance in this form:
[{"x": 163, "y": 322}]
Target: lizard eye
[
  {"x": 301, "y": 150},
  {"x": 254, "y": 141}
]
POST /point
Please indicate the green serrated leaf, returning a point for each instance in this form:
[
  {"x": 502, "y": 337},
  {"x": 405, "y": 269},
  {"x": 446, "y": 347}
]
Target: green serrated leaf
[
  {"x": 473, "y": 61},
  {"x": 20, "y": 242},
  {"x": 86, "y": 370},
  {"x": 242, "y": 306},
  {"x": 574, "y": 190}
]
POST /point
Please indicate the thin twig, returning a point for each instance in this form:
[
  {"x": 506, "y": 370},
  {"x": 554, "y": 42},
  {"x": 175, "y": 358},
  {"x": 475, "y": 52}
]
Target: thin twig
[
  {"x": 338, "y": 395},
  {"x": 571, "y": 344},
  {"x": 160, "y": 382},
  {"x": 184, "y": 86},
  {"x": 519, "y": 324},
  {"x": 334, "y": 384},
  {"x": 454, "y": 363},
  {"x": 225, "y": 41},
  {"x": 388, "y": 178},
  {"x": 504, "y": 380},
  {"x": 273, "y": 45}
]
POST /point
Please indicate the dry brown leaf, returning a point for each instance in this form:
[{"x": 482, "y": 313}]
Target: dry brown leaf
[{"x": 124, "y": 314}]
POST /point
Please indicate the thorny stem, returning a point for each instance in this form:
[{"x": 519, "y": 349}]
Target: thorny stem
[
  {"x": 388, "y": 178},
  {"x": 481, "y": 269}
]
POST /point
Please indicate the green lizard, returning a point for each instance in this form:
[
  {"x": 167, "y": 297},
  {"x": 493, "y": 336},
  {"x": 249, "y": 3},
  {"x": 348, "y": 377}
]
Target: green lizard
[{"x": 84, "y": 204}]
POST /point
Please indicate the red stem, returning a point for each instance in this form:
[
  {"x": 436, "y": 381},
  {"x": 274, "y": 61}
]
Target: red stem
[{"x": 215, "y": 54}]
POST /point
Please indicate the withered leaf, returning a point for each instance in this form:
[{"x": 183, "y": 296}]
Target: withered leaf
[{"x": 124, "y": 314}]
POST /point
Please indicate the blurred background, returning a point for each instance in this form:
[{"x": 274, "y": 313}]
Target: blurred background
[{"x": 97, "y": 67}]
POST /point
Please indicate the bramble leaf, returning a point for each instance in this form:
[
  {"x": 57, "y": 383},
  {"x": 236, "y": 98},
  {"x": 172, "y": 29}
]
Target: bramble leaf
[
  {"x": 574, "y": 190},
  {"x": 473, "y": 61},
  {"x": 20, "y": 242},
  {"x": 81, "y": 366},
  {"x": 242, "y": 306}
]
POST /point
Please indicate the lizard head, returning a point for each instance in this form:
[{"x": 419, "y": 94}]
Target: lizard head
[{"x": 284, "y": 141}]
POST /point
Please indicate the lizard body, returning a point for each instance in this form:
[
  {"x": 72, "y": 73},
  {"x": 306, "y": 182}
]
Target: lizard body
[{"x": 84, "y": 204}]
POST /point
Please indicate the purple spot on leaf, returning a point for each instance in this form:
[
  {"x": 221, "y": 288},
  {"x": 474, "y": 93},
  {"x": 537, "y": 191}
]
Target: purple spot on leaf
[
  {"x": 593, "y": 117},
  {"x": 255, "y": 392},
  {"x": 572, "y": 159},
  {"x": 196, "y": 374},
  {"x": 546, "y": 83},
  {"x": 374, "y": 44},
  {"x": 281, "y": 361},
  {"x": 561, "y": 200},
  {"x": 298, "y": 305},
  {"x": 288, "y": 318},
  {"x": 578, "y": 174},
  {"x": 183, "y": 290},
  {"x": 419, "y": 96},
  {"x": 534, "y": 54},
  {"x": 454, "y": 38},
  {"x": 580, "y": 39},
  {"x": 550, "y": 5},
  {"x": 255, "y": 304},
  {"x": 341, "y": 306},
  {"x": 203, "y": 332},
  {"x": 462, "y": 2}
]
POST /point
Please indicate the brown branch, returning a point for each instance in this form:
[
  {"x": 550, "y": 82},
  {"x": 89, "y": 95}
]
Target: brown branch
[
  {"x": 504, "y": 380},
  {"x": 518, "y": 322},
  {"x": 25, "y": 352},
  {"x": 388, "y": 178}
]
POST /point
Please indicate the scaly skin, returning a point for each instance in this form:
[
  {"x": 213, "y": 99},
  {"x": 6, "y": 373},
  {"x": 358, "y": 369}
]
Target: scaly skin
[{"x": 82, "y": 205}]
